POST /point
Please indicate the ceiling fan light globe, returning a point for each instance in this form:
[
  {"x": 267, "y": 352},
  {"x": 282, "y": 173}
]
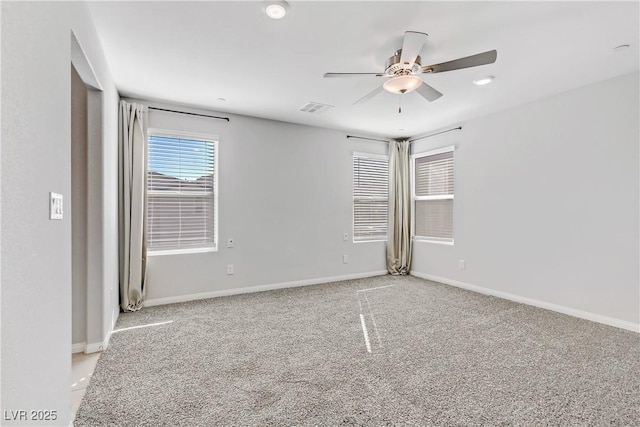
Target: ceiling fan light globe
[{"x": 402, "y": 84}]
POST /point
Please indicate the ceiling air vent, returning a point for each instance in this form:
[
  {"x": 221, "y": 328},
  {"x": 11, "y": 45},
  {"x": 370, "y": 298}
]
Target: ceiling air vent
[{"x": 315, "y": 107}]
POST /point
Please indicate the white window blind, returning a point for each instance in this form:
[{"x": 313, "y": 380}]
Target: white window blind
[
  {"x": 181, "y": 192},
  {"x": 433, "y": 195},
  {"x": 370, "y": 196}
]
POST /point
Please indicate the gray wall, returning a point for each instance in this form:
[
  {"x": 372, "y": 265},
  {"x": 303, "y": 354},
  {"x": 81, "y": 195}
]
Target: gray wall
[
  {"x": 546, "y": 202},
  {"x": 78, "y": 212},
  {"x": 36, "y": 159},
  {"x": 286, "y": 200}
]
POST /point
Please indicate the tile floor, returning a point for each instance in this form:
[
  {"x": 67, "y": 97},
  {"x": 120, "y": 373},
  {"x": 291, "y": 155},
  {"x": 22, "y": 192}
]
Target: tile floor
[{"x": 82, "y": 367}]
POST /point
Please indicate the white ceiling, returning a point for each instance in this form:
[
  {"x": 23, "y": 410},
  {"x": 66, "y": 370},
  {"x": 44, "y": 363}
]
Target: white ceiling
[{"x": 194, "y": 53}]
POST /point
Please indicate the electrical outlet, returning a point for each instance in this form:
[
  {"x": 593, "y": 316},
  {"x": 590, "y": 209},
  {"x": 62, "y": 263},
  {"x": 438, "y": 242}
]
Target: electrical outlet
[
  {"x": 229, "y": 268},
  {"x": 230, "y": 243},
  {"x": 345, "y": 259},
  {"x": 345, "y": 236},
  {"x": 461, "y": 264}
]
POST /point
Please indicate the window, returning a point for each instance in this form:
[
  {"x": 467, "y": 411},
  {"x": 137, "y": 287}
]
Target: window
[
  {"x": 433, "y": 195},
  {"x": 370, "y": 196},
  {"x": 182, "y": 191}
]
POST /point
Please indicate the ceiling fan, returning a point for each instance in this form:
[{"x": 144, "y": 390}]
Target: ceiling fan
[{"x": 404, "y": 68}]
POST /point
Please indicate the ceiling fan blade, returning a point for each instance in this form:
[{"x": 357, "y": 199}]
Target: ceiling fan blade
[
  {"x": 428, "y": 92},
  {"x": 411, "y": 47},
  {"x": 484, "y": 58},
  {"x": 353, "y": 74},
  {"x": 369, "y": 95}
]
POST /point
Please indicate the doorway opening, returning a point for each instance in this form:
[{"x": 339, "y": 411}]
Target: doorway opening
[{"x": 86, "y": 223}]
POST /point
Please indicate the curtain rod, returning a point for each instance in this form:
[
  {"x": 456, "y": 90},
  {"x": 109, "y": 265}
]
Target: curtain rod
[
  {"x": 191, "y": 114},
  {"x": 411, "y": 140},
  {"x": 429, "y": 136},
  {"x": 370, "y": 139}
]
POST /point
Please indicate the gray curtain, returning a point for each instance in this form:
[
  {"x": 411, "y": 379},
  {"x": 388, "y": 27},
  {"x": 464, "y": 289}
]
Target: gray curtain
[
  {"x": 399, "y": 227},
  {"x": 132, "y": 188}
]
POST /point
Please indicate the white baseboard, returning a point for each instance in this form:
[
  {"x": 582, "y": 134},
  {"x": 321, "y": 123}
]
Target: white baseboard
[
  {"x": 100, "y": 346},
  {"x": 83, "y": 347},
  {"x": 78, "y": 348},
  {"x": 260, "y": 288},
  {"x": 611, "y": 321}
]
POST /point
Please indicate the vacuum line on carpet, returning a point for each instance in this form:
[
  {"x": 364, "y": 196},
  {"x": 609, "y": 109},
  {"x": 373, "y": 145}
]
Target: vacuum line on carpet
[
  {"x": 142, "y": 326},
  {"x": 373, "y": 289},
  {"x": 363, "y": 323},
  {"x": 366, "y": 334},
  {"x": 373, "y": 320}
]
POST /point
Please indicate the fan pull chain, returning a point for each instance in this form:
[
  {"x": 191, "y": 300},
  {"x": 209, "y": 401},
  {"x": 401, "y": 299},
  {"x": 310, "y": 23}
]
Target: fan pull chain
[{"x": 399, "y": 104}]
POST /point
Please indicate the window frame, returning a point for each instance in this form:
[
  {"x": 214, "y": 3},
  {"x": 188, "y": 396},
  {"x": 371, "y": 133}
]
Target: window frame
[
  {"x": 353, "y": 200},
  {"x": 414, "y": 198},
  {"x": 215, "y": 139}
]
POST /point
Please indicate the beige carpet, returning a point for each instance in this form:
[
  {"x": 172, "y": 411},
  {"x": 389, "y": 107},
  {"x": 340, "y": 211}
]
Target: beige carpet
[{"x": 431, "y": 355}]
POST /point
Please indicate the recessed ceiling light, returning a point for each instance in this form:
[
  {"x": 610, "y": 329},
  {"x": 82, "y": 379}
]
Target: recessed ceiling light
[
  {"x": 483, "y": 80},
  {"x": 621, "y": 47},
  {"x": 276, "y": 9}
]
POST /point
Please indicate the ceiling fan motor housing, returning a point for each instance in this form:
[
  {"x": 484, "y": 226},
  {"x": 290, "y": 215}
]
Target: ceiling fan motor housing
[{"x": 395, "y": 68}]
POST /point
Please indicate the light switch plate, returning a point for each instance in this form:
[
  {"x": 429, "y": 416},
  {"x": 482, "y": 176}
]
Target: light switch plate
[{"x": 55, "y": 206}]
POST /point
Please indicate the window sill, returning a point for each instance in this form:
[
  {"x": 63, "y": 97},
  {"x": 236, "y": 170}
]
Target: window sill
[
  {"x": 370, "y": 241},
  {"x": 438, "y": 242},
  {"x": 181, "y": 251}
]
